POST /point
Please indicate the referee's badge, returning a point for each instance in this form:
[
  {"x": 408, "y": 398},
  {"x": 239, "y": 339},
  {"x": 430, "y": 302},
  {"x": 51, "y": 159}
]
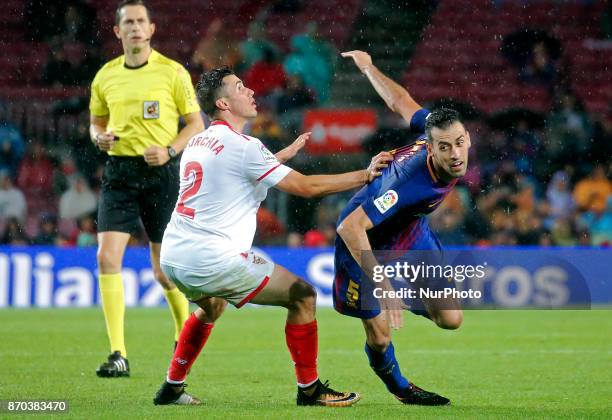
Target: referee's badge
[{"x": 150, "y": 110}]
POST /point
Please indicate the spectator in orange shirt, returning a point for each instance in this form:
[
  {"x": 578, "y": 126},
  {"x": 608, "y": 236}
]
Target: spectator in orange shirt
[{"x": 591, "y": 194}]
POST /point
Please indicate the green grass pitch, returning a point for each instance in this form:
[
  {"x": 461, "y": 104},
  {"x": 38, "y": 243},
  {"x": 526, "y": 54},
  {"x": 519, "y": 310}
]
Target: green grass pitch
[{"x": 500, "y": 364}]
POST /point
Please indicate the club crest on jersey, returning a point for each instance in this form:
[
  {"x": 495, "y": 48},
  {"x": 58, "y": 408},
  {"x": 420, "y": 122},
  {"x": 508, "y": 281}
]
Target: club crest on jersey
[
  {"x": 266, "y": 154},
  {"x": 258, "y": 260},
  {"x": 150, "y": 110},
  {"x": 386, "y": 201}
]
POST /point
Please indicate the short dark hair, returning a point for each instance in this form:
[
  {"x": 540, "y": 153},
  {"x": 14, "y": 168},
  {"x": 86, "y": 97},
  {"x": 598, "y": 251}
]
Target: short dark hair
[
  {"x": 208, "y": 88},
  {"x": 441, "y": 118},
  {"x": 124, "y": 3}
]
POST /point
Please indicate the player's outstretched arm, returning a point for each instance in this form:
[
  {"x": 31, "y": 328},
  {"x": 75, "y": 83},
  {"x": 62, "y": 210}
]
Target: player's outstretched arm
[
  {"x": 395, "y": 96},
  {"x": 318, "y": 185},
  {"x": 353, "y": 231},
  {"x": 290, "y": 151}
]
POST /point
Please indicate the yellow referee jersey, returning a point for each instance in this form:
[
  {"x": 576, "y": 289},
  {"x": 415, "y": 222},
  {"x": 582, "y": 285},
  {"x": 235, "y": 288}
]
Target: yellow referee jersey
[{"x": 144, "y": 103}]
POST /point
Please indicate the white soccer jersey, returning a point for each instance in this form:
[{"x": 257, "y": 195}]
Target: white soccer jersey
[{"x": 225, "y": 175}]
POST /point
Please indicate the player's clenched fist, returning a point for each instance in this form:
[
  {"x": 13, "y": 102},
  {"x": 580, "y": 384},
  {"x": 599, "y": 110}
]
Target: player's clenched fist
[
  {"x": 362, "y": 59},
  {"x": 156, "y": 156},
  {"x": 105, "y": 141},
  {"x": 378, "y": 163}
]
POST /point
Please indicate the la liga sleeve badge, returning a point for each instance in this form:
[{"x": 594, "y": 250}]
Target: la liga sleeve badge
[
  {"x": 386, "y": 201},
  {"x": 267, "y": 155}
]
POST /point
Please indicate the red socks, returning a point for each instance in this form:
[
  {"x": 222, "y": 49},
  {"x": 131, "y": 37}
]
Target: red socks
[
  {"x": 191, "y": 341},
  {"x": 303, "y": 344},
  {"x": 302, "y": 341}
]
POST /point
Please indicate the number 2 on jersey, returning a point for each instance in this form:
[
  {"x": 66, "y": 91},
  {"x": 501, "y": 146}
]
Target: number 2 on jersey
[{"x": 193, "y": 171}]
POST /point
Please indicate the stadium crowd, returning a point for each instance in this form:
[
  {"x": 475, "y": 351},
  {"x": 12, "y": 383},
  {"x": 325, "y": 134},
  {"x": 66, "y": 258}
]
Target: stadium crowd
[{"x": 533, "y": 179}]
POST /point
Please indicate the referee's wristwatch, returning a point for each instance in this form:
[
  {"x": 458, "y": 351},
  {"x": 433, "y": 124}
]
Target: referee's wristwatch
[{"x": 171, "y": 152}]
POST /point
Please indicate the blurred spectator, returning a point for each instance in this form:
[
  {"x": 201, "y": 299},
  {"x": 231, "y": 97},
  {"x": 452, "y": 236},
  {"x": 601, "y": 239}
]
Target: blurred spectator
[
  {"x": 294, "y": 240},
  {"x": 501, "y": 220},
  {"x": 296, "y": 96},
  {"x": 78, "y": 200},
  {"x": 57, "y": 69},
  {"x": 592, "y": 193},
  {"x": 266, "y": 128},
  {"x": 559, "y": 197},
  {"x": 540, "y": 68},
  {"x": 79, "y": 23},
  {"x": 87, "y": 232},
  {"x": 269, "y": 228},
  {"x": 314, "y": 238},
  {"x": 562, "y": 233},
  {"x": 477, "y": 220},
  {"x": 584, "y": 238},
  {"x": 525, "y": 204},
  {"x": 323, "y": 47},
  {"x": 314, "y": 68},
  {"x": 530, "y": 232},
  {"x": 545, "y": 239},
  {"x": 535, "y": 53},
  {"x": 569, "y": 130},
  {"x": 12, "y": 148},
  {"x": 504, "y": 238},
  {"x": 266, "y": 76},
  {"x": 252, "y": 49},
  {"x": 291, "y": 103},
  {"x": 35, "y": 175},
  {"x": 601, "y": 148},
  {"x": 12, "y": 200},
  {"x": 599, "y": 224},
  {"x": 47, "y": 233},
  {"x": 215, "y": 50},
  {"x": 86, "y": 156},
  {"x": 70, "y": 64},
  {"x": 14, "y": 233},
  {"x": 524, "y": 143},
  {"x": 329, "y": 231}
]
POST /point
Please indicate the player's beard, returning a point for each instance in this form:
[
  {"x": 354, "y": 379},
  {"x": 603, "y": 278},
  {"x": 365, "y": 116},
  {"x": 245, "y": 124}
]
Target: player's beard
[{"x": 136, "y": 50}]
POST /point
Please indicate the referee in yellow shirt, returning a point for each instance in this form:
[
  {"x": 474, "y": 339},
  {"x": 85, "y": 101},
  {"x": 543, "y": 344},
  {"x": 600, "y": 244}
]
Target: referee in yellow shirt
[{"x": 136, "y": 102}]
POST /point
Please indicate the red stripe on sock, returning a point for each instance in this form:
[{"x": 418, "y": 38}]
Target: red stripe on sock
[
  {"x": 190, "y": 343},
  {"x": 303, "y": 344}
]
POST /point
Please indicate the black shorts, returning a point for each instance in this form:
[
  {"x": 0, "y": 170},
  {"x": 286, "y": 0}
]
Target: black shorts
[{"x": 131, "y": 189}]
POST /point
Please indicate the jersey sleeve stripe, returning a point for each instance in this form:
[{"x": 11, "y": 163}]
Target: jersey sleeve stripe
[{"x": 268, "y": 173}]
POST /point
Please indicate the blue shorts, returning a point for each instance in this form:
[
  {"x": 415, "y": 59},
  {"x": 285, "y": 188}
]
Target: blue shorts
[{"x": 353, "y": 291}]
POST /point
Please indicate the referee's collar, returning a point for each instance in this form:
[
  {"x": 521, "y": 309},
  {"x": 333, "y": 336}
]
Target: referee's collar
[{"x": 153, "y": 52}]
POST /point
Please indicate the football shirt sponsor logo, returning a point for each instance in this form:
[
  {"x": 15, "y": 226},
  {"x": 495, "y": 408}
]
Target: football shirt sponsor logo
[
  {"x": 386, "y": 201},
  {"x": 259, "y": 260}
]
